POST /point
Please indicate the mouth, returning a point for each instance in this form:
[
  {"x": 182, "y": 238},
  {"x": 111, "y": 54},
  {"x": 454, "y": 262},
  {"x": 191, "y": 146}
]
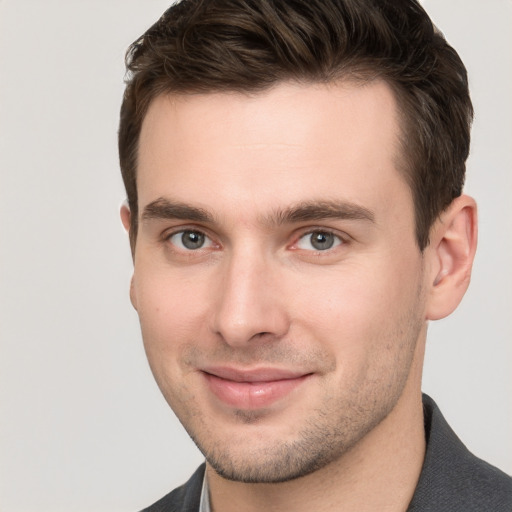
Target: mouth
[{"x": 252, "y": 389}]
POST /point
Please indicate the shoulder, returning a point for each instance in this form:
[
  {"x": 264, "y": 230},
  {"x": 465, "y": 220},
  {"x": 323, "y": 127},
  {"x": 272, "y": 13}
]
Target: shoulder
[
  {"x": 182, "y": 499},
  {"x": 454, "y": 479}
]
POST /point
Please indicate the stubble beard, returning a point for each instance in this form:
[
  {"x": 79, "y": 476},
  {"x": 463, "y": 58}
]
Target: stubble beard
[
  {"x": 314, "y": 449},
  {"x": 328, "y": 434},
  {"x": 330, "y": 431}
]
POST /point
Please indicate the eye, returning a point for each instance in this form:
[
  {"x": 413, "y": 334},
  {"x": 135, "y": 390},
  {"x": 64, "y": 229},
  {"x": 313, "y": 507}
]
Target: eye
[
  {"x": 319, "y": 241},
  {"x": 190, "y": 240}
]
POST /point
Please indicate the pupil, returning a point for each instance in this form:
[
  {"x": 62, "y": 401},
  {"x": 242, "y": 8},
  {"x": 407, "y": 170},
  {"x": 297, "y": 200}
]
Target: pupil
[
  {"x": 192, "y": 239},
  {"x": 322, "y": 241}
]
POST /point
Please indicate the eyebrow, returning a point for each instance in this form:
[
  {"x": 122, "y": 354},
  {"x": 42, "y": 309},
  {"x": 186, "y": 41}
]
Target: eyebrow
[
  {"x": 306, "y": 211},
  {"x": 162, "y": 209},
  {"x": 320, "y": 210}
]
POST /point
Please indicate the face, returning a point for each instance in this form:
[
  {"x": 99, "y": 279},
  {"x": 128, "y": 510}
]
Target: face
[{"x": 277, "y": 278}]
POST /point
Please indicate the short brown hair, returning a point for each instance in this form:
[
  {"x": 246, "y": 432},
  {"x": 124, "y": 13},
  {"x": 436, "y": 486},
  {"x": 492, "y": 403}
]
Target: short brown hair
[{"x": 250, "y": 45}]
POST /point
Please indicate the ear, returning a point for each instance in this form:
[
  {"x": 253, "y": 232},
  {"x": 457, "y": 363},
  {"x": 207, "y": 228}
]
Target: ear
[
  {"x": 451, "y": 252},
  {"x": 126, "y": 219},
  {"x": 125, "y": 216}
]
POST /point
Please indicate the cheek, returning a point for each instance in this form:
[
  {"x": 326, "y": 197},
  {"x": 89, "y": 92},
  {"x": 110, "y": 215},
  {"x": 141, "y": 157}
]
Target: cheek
[
  {"x": 171, "y": 311},
  {"x": 357, "y": 311},
  {"x": 170, "y": 315}
]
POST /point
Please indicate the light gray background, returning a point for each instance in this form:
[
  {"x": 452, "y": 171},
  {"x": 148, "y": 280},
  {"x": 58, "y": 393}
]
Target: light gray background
[{"x": 82, "y": 425}]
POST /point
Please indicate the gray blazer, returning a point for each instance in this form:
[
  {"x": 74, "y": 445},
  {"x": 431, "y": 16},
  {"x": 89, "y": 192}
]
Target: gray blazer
[{"x": 452, "y": 478}]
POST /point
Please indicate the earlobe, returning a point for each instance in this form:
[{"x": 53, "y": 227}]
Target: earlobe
[
  {"x": 452, "y": 251},
  {"x": 133, "y": 297}
]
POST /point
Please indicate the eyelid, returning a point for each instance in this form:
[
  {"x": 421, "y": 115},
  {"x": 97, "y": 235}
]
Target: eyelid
[
  {"x": 170, "y": 231},
  {"x": 343, "y": 237},
  {"x": 175, "y": 230},
  {"x": 305, "y": 231}
]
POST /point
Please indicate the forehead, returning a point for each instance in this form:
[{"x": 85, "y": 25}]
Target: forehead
[{"x": 291, "y": 143}]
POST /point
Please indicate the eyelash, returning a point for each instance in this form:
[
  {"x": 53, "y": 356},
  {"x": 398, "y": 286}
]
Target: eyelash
[
  {"x": 168, "y": 238},
  {"x": 339, "y": 240}
]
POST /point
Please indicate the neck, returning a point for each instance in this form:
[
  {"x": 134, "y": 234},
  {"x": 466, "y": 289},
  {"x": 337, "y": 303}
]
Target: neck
[{"x": 379, "y": 473}]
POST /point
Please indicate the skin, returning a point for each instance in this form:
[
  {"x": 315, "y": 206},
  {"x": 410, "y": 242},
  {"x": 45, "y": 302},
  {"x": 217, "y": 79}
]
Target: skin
[{"x": 258, "y": 176}]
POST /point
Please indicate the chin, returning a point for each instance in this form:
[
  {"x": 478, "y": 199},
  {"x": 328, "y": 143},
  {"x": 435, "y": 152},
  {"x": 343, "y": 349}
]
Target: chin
[
  {"x": 278, "y": 468},
  {"x": 273, "y": 460}
]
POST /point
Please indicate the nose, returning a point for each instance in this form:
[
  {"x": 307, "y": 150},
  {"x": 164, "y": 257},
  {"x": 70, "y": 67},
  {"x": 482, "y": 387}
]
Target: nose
[{"x": 250, "y": 303}]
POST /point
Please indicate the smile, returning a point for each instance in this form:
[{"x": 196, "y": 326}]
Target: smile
[{"x": 252, "y": 389}]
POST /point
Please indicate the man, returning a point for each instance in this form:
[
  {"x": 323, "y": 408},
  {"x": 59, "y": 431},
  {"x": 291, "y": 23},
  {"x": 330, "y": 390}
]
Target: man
[{"x": 294, "y": 173}]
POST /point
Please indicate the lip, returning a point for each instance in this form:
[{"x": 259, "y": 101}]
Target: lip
[{"x": 254, "y": 388}]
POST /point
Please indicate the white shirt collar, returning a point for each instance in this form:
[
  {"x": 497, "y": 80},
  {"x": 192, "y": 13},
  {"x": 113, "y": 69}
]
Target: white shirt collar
[{"x": 204, "y": 503}]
